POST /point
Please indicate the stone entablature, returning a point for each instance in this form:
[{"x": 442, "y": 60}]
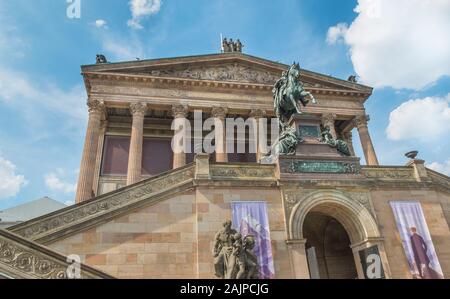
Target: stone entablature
[{"x": 23, "y": 259}]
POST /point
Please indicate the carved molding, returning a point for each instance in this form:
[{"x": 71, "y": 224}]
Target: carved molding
[
  {"x": 138, "y": 108},
  {"x": 96, "y": 106},
  {"x": 328, "y": 119},
  {"x": 361, "y": 120},
  {"x": 32, "y": 261},
  {"x": 180, "y": 111},
  {"x": 388, "y": 173},
  {"x": 219, "y": 112},
  {"x": 104, "y": 204},
  {"x": 242, "y": 172},
  {"x": 233, "y": 72},
  {"x": 258, "y": 113}
]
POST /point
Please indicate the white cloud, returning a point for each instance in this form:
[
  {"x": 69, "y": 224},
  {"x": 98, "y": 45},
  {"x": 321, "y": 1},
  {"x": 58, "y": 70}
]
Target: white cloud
[
  {"x": 337, "y": 33},
  {"x": 141, "y": 9},
  {"x": 10, "y": 182},
  {"x": 441, "y": 167},
  {"x": 100, "y": 23},
  {"x": 17, "y": 89},
  {"x": 422, "y": 119},
  {"x": 55, "y": 183},
  {"x": 401, "y": 43}
]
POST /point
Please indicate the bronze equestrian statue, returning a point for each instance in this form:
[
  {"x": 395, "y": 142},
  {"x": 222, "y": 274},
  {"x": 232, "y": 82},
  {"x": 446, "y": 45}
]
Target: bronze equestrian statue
[{"x": 288, "y": 92}]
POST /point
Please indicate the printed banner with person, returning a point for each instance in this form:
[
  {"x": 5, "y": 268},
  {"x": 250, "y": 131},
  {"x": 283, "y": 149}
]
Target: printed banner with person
[
  {"x": 416, "y": 239},
  {"x": 251, "y": 218}
]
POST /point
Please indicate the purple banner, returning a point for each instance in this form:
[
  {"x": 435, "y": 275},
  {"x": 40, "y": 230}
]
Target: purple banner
[
  {"x": 251, "y": 218},
  {"x": 419, "y": 249}
]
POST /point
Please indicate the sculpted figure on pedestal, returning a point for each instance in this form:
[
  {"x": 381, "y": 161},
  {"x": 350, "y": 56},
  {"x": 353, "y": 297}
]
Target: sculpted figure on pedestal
[
  {"x": 233, "y": 255},
  {"x": 338, "y": 144},
  {"x": 288, "y": 92}
]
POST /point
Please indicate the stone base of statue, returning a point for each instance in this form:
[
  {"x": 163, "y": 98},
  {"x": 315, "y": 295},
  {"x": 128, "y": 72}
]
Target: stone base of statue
[{"x": 317, "y": 154}]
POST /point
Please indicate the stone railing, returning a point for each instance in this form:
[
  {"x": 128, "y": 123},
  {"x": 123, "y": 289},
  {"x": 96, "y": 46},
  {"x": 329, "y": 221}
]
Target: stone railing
[
  {"x": 20, "y": 258},
  {"x": 47, "y": 228}
]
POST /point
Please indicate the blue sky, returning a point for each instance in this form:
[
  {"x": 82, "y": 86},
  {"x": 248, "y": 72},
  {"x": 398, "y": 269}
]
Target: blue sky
[{"x": 399, "y": 47}]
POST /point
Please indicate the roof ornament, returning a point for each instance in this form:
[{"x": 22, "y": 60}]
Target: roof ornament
[
  {"x": 231, "y": 46},
  {"x": 412, "y": 155},
  {"x": 352, "y": 79},
  {"x": 101, "y": 59}
]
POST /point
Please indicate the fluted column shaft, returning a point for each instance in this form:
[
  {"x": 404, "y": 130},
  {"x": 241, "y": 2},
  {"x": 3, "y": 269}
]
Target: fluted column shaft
[
  {"x": 366, "y": 141},
  {"x": 134, "y": 173},
  {"x": 219, "y": 115},
  {"x": 260, "y": 133},
  {"x": 87, "y": 169},
  {"x": 180, "y": 113},
  {"x": 328, "y": 121}
]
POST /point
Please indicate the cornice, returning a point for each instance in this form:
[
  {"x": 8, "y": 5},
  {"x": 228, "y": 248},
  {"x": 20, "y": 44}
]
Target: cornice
[{"x": 187, "y": 82}]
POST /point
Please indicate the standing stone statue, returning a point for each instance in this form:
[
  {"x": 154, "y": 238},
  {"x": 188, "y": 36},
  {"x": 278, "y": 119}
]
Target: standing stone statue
[
  {"x": 101, "y": 59},
  {"x": 223, "y": 248},
  {"x": 226, "y": 46},
  {"x": 233, "y": 255},
  {"x": 239, "y": 46}
]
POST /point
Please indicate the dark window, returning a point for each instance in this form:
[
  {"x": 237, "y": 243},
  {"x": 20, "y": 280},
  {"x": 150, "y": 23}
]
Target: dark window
[
  {"x": 115, "y": 155},
  {"x": 157, "y": 156}
]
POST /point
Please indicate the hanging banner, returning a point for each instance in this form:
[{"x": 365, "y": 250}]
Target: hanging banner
[
  {"x": 416, "y": 239},
  {"x": 251, "y": 218}
]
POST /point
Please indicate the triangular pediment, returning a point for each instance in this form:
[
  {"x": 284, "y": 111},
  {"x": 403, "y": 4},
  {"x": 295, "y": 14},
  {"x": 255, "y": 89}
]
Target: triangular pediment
[{"x": 229, "y": 67}]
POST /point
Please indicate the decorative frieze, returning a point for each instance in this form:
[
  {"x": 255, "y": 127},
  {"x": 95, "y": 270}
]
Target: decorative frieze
[
  {"x": 25, "y": 260},
  {"x": 231, "y": 72},
  {"x": 388, "y": 173},
  {"x": 242, "y": 172}
]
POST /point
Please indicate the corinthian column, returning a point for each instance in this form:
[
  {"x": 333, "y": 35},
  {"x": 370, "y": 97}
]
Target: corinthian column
[
  {"x": 134, "y": 173},
  {"x": 219, "y": 114},
  {"x": 328, "y": 120},
  {"x": 180, "y": 114},
  {"x": 366, "y": 142},
  {"x": 260, "y": 132},
  {"x": 87, "y": 167}
]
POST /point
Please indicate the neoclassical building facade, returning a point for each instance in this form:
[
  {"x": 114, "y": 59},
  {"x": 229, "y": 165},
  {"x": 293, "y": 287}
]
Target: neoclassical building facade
[{"x": 144, "y": 210}]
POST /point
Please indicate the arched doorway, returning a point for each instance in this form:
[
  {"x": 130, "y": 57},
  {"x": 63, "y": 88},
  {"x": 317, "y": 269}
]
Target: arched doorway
[
  {"x": 340, "y": 227},
  {"x": 328, "y": 248}
]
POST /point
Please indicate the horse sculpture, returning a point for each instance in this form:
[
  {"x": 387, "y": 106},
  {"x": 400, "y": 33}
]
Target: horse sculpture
[{"x": 287, "y": 93}]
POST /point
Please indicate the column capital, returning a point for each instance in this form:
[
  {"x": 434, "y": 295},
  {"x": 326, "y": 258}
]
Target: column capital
[
  {"x": 96, "y": 106},
  {"x": 257, "y": 113},
  {"x": 138, "y": 108},
  {"x": 219, "y": 112},
  {"x": 348, "y": 135},
  {"x": 361, "y": 120},
  {"x": 328, "y": 118},
  {"x": 180, "y": 111}
]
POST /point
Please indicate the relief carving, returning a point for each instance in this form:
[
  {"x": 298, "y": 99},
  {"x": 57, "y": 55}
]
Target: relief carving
[{"x": 234, "y": 72}]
